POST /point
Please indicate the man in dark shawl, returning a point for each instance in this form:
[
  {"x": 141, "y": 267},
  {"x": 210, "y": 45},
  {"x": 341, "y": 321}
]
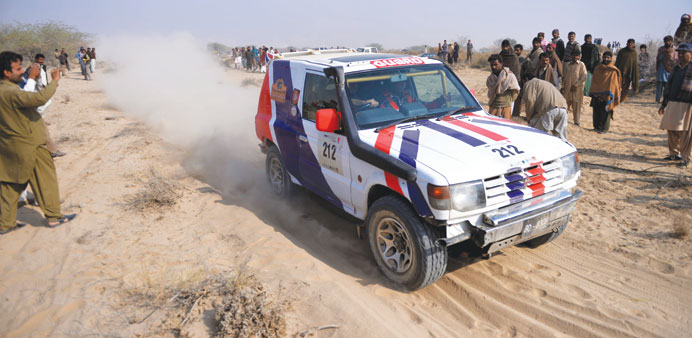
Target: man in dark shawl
[
  {"x": 684, "y": 31},
  {"x": 509, "y": 59},
  {"x": 559, "y": 44},
  {"x": 605, "y": 91},
  {"x": 676, "y": 108},
  {"x": 546, "y": 72},
  {"x": 590, "y": 56},
  {"x": 626, "y": 62}
]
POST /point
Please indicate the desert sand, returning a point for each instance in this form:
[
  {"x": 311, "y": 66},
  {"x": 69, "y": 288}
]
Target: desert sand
[{"x": 619, "y": 270}]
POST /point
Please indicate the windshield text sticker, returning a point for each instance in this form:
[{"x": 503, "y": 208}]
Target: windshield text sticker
[{"x": 414, "y": 60}]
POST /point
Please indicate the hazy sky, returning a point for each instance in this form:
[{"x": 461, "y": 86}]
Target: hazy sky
[{"x": 394, "y": 24}]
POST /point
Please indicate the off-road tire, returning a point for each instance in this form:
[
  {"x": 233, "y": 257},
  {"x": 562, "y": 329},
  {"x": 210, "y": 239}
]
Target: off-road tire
[
  {"x": 428, "y": 259},
  {"x": 278, "y": 177},
  {"x": 549, "y": 237}
]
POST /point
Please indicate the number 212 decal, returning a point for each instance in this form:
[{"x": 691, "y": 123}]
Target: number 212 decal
[
  {"x": 507, "y": 151},
  {"x": 329, "y": 150}
]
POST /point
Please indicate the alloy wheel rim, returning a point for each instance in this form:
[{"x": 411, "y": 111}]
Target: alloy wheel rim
[{"x": 394, "y": 245}]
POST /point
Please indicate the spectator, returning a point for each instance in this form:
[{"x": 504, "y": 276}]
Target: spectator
[
  {"x": 35, "y": 84},
  {"x": 546, "y": 72},
  {"x": 56, "y": 62},
  {"x": 92, "y": 62},
  {"x": 555, "y": 60},
  {"x": 573, "y": 84},
  {"x": 444, "y": 50},
  {"x": 546, "y": 109},
  {"x": 626, "y": 62},
  {"x": 665, "y": 59},
  {"x": 455, "y": 55},
  {"x": 503, "y": 87},
  {"x": 684, "y": 31},
  {"x": 23, "y": 157},
  {"x": 590, "y": 56},
  {"x": 66, "y": 57},
  {"x": 644, "y": 61},
  {"x": 544, "y": 42},
  {"x": 238, "y": 58},
  {"x": 509, "y": 59},
  {"x": 469, "y": 51},
  {"x": 605, "y": 92},
  {"x": 518, "y": 50},
  {"x": 677, "y": 108},
  {"x": 559, "y": 44},
  {"x": 572, "y": 44},
  {"x": 534, "y": 58},
  {"x": 450, "y": 54}
]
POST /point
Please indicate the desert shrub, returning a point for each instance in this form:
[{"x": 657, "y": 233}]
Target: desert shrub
[
  {"x": 156, "y": 192},
  {"x": 30, "y": 39}
]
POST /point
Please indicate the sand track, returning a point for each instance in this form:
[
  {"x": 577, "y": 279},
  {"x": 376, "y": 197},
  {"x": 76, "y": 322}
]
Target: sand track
[{"x": 616, "y": 271}]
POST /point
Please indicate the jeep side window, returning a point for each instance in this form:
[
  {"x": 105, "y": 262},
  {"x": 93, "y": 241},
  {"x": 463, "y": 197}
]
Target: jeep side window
[{"x": 319, "y": 93}]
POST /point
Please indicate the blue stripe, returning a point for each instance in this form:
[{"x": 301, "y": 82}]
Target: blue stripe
[
  {"x": 409, "y": 147},
  {"x": 298, "y": 157},
  {"x": 408, "y": 153},
  {"x": 472, "y": 141},
  {"x": 515, "y": 196}
]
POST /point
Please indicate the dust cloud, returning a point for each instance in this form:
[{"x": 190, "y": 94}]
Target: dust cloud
[{"x": 180, "y": 90}]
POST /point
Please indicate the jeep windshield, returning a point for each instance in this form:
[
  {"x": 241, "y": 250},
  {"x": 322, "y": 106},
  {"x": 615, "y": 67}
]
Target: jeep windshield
[{"x": 383, "y": 97}]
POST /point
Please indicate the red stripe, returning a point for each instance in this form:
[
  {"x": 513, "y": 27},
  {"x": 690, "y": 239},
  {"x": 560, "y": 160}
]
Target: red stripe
[
  {"x": 497, "y": 119},
  {"x": 384, "y": 139},
  {"x": 536, "y": 171},
  {"x": 537, "y": 189},
  {"x": 384, "y": 143},
  {"x": 476, "y": 129},
  {"x": 393, "y": 182},
  {"x": 536, "y": 179}
]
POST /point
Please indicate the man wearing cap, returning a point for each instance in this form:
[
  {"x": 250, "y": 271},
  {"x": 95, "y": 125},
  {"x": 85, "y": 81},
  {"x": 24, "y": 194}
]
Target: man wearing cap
[
  {"x": 684, "y": 31},
  {"x": 676, "y": 108},
  {"x": 559, "y": 44}
]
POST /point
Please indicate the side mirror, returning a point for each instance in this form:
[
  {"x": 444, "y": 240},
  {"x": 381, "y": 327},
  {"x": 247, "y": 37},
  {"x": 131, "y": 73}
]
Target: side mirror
[{"x": 328, "y": 120}]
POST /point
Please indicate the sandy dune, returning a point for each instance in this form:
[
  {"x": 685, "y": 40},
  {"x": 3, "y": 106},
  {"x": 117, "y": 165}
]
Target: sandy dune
[{"x": 617, "y": 271}]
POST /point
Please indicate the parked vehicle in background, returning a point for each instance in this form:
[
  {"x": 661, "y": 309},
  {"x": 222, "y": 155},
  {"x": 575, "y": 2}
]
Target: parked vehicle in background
[{"x": 366, "y": 49}]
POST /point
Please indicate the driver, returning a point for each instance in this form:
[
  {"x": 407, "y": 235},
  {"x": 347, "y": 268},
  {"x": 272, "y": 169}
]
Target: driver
[{"x": 357, "y": 93}]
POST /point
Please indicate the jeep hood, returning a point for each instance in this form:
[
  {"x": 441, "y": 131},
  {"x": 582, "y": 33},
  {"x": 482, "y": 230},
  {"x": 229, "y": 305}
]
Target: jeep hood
[{"x": 467, "y": 147}]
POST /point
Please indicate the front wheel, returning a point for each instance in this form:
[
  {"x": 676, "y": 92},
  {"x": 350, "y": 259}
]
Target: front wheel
[{"x": 404, "y": 248}]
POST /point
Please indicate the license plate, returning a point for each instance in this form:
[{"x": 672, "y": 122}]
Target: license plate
[{"x": 538, "y": 224}]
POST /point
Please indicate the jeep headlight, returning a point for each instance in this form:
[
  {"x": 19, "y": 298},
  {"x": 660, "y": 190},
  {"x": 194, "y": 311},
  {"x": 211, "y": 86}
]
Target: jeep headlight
[
  {"x": 461, "y": 197},
  {"x": 570, "y": 166}
]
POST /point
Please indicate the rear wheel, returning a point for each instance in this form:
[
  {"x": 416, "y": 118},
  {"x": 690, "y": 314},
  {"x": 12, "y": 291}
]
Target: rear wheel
[
  {"x": 404, "y": 248},
  {"x": 277, "y": 175},
  {"x": 549, "y": 237}
]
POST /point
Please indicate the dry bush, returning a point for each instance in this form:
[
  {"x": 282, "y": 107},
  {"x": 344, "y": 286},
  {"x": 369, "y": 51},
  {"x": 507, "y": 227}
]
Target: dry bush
[
  {"x": 681, "y": 227},
  {"x": 480, "y": 60},
  {"x": 157, "y": 192},
  {"x": 251, "y": 82},
  {"x": 239, "y": 302},
  {"x": 248, "y": 310}
]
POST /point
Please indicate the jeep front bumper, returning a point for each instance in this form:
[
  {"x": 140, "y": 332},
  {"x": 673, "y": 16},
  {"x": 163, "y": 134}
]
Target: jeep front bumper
[{"x": 526, "y": 220}]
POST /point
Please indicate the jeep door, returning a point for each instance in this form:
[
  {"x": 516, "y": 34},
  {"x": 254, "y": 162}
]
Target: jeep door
[{"x": 324, "y": 157}]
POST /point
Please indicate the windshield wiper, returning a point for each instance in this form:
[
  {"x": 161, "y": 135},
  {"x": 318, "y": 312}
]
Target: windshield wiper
[
  {"x": 404, "y": 120},
  {"x": 456, "y": 111}
]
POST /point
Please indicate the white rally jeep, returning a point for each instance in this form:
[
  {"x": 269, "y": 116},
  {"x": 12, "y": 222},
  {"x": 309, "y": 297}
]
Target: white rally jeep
[{"x": 402, "y": 144}]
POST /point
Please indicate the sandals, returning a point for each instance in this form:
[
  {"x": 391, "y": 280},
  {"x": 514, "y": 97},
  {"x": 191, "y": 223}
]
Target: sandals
[{"x": 61, "y": 221}]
